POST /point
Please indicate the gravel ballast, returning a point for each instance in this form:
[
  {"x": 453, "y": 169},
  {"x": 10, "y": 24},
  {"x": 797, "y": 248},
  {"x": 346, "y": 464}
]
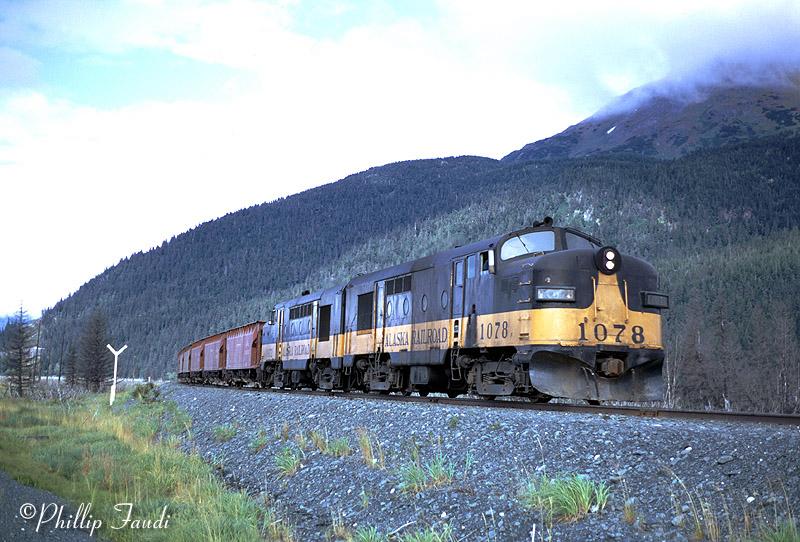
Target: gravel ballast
[{"x": 664, "y": 470}]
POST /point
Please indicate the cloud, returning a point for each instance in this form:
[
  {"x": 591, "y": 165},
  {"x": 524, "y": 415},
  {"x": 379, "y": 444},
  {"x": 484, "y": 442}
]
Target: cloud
[
  {"x": 93, "y": 184},
  {"x": 597, "y": 50}
]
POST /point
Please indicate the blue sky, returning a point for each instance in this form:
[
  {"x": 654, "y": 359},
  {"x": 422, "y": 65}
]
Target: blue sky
[
  {"x": 78, "y": 70},
  {"x": 123, "y": 123}
]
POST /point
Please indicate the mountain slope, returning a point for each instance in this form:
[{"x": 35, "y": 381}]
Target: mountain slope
[
  {"x": 647, "y": 122},
  {"x": 701, "y": 218},
  {"x": 231, "y": 270}
]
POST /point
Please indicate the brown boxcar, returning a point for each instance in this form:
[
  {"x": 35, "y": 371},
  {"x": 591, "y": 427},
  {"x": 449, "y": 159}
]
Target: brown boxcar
[
  {"x": 183, "y": 364},
  {"x": 233, "y": 356},
  {"x": 243, "y": 347},
  {"x": 196, "y": 357},
  {"x": 214, "y": 353}
]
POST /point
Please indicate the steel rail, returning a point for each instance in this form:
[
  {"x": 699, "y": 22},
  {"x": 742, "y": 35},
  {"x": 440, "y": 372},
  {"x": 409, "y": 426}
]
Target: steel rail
[{"x": 607, "y": 410}]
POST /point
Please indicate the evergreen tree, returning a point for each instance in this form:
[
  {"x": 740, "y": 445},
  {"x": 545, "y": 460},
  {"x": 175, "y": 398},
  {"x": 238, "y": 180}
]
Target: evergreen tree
[
  {"x": 71, "y": 367},
  {"x": 95, "y": 359},
  {"x": 17, "y": 352}
]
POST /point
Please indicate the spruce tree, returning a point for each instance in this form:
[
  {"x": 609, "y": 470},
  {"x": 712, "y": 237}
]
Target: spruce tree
[
  {"x": 71, "y": 367},
  {"x": 17, "y": 352},
  {"x": 95, "y": 359}
]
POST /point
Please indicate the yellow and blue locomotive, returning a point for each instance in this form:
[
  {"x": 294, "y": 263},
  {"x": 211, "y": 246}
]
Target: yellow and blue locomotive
[{"x": 541, "y": 312}]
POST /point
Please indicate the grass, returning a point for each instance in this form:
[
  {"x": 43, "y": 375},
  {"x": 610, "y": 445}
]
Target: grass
[
  {"x": 339, "y": 447},
  {"x": 340, "y": 531},
  {"x": 85, "y": 451},
  {"x": 777, "y": 526},
  {"x": 430, "y": 534},
  {"x": 364, "y": 496},
  {"x": 275, "y": 529},
  {"x": 319, "y": 440},
  {"x": 452, "y": 423},
  {"x": 567, "y": 498},
  {"x": 224, "y": 432},
  {"x": 440, "y": 470},
  {"x": 284, "y": 434},
  {"x": 785, "y": 531},
  {"x": 301, "y": 441},
  {"x": 712, "y": 530},
  {"x": 413, "y": 477},
  {"x": 369, "y": 534},
  {"x": 146, "y": 393},
  {"x": 469, "y": 461},
  {"x": 629, "y": 511},
  {"x": 287, "y": 461},
  {"x": 416, "y": 476},
  {"x": 372, "y": 453},
  {"x": 217, "y": 460},
  {"x": 259, "y": 442}
]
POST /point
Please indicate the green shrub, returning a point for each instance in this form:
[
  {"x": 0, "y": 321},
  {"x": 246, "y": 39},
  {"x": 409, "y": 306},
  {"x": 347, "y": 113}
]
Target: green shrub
[
  {"x": 146, "y": 393},
  {"x": 440, "y": 470},
  {"x": 287, "y": 461},
  {"x": 413, "y": 478},
  {"x": 259, "y": 442},
  {"x": 430, "y": 534},
  {"x": 369, "y": 534},
  {"x": 339, "y": 447},
  {"x": 224, "y": 432},
  {"x": 566, "y": 497}
]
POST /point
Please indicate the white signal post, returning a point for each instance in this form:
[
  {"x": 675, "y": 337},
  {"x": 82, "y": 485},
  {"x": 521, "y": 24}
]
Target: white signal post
[{"x": 114, "y": 383}]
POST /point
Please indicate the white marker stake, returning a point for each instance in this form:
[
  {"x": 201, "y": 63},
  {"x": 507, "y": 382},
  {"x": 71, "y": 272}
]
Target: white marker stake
[{"x": 114, "y": 383}]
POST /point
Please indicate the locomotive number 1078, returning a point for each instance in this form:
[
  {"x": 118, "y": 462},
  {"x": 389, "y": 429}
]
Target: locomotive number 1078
[
  {"x": 494, "y": 330},
  {"x": 616, "y": 333}
]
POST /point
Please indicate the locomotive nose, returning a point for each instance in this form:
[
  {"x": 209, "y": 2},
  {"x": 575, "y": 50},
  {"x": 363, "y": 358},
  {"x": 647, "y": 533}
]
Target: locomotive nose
[{"x": 608, "y": 260}]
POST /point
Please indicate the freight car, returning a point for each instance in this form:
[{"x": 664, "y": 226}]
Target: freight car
[{"x": 541, "y": 312}]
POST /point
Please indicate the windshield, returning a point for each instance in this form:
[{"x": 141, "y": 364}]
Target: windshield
[
  {"x": 577, "y": 241},
  {"x": 536, "y": 242}
]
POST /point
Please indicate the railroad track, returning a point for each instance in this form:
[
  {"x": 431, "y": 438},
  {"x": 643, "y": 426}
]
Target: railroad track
[{"x": 642, "y": 412}]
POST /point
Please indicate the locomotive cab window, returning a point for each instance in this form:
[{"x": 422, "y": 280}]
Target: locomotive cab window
[
  {"x": 484, "y": 262},
  {"x": 576, "y": 241},
  {"x": 535, "y": 242},
  {"x": 471, "y": 262},
  {"x": 459, "y": 273}
]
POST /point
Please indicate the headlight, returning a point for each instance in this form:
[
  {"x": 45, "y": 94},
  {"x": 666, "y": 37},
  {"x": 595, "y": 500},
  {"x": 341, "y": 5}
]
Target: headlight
[
  {"x": 608, "y": 260},
  {"x": 655, "y": 300},
  {"x": 565, "y": 293}
]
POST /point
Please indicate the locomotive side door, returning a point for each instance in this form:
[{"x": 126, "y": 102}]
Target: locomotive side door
[
  {"x": 457, "y": 305},
  {"x": 312, "y": 350},
  {"x": 380, "y": 323},
  {"x": 469, "y": 321},
  {"x": 279, "y": 336}
]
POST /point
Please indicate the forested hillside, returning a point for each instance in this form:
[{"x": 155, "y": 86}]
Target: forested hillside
[{"x": 720, "y": 225}]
